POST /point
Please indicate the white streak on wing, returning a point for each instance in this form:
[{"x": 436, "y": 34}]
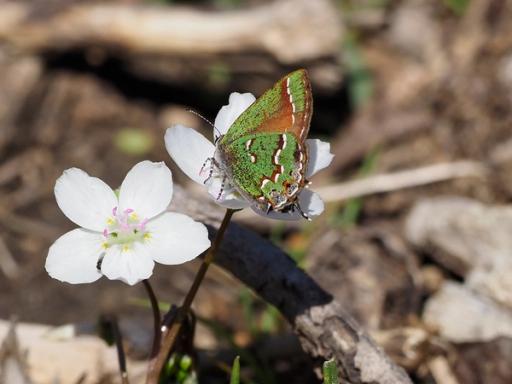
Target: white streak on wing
[
  {"x": 283, "y": 136},
  {"x": 264, "y": 182},
  {"x": 276, "y": 156},
  {"x": 253, "y": 158},
  {"x": 306, "y": 105},
  {"x": 248, "y": 144},
  {"x": 291, "y": 99},
  {"x": 301, "y": 165}
]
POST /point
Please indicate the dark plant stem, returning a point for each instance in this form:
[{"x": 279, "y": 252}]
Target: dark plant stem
[
  {"x": 170, "y": 335},
  {"x": 157, "y": 321},
  {"x": 120, "y": 350}
]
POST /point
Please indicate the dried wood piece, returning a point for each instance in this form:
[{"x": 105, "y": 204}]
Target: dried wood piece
[
  {"x": 13, "y": 362},
  {"x": 400, "y": 180},
  {"x": 58, "y": 355},
  {"x": 469, "y": 238},
  {"x": 387, "y": 182},
  {"x": 462, "y": 315},
  {"x": 324, "y": 328},
  {"x": 463, "y": 233},
  {"x": 291, "y": 30},
  {"x": 441, "y": 371}
]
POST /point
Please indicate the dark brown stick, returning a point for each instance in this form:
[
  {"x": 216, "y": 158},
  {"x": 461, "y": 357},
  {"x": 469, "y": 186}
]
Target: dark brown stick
[{"x": 324, "y": 328}]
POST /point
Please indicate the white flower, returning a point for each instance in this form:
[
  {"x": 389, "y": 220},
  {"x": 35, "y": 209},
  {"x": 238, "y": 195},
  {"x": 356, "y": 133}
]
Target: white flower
[
  {"x": 121, "y": 238},
  {"x": 190, "y": 150}
]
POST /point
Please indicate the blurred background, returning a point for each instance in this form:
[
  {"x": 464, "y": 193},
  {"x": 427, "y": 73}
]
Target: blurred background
[{"x": 417, "y": 91}]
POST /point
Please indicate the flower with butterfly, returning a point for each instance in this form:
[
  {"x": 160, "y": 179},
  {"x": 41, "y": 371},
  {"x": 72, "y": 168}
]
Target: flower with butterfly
[{"x": 260, "y": 157}]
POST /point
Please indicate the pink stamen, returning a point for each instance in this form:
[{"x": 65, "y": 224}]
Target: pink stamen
[
  {"x": 105, "y": 232},
  {"x": 114, "y": 211},
  {"x": 142, "y": 224},
  {"x": 129, "y": 210}
]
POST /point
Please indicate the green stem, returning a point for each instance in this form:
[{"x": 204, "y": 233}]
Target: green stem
[
  {"x": 157, "y": 322},
  {"x": 170, "y": 336}
]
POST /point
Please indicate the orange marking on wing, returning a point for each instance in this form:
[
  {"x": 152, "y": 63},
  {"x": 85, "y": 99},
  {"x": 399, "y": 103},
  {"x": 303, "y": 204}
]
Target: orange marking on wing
[{"x": 282, "y": 120}]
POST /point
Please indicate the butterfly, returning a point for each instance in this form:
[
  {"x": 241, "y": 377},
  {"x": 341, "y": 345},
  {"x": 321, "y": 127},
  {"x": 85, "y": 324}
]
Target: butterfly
[{"x": 263, "y": 154}]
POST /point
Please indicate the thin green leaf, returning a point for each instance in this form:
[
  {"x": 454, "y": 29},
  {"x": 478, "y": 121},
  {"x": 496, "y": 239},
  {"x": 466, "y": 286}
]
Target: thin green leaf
[
  {"x": 235, "y": 371},
  {"x": 330, "y": 372}
]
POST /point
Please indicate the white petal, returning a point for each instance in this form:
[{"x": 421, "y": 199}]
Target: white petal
[
  {"x": 175, "y": 238},
  {"x": 238, "y": 102},
  {"x": 147, "y": 189},
  {"x": 310, "y": 203},
  {"x": 85, "y": 200},
  {"x": 130, "y": 266},
  {"x": 74, "y": 256},
  {"x": 320, "y": 156},
  {"x": 189, "y": 150},
  {"x": 226, "y": 196}
]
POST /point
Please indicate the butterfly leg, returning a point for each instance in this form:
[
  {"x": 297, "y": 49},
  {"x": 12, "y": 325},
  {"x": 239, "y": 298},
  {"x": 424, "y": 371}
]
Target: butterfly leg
[
  {"x": 213, "y": 163},
  {"x": 208, "y": 160},
  {"x": 222, "y": 185}
]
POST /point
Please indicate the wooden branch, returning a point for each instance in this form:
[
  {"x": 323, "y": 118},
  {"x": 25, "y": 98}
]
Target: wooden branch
[
  {"x": 386, "y": 182},
  {"x": 289, "y": 30},
  {"x": 322, "y": 325},
  {"x": 396, "y": 181}
]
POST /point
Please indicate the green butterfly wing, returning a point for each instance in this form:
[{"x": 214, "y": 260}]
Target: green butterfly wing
[
  {"x": 264, "y": 165},
  {"x": 284, "y": 108}
]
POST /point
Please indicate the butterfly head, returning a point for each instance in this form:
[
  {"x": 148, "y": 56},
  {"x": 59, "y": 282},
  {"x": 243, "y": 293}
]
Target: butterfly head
[{"x": 282, "y": 206}]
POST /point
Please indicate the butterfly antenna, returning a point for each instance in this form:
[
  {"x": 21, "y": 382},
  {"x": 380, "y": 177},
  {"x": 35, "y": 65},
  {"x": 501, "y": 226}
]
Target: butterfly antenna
[{"x": 205, "y": 119}]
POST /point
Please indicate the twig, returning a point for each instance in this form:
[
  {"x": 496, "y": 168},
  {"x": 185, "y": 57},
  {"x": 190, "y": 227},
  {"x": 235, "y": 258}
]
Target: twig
[
  {"x": 118, "y": 338},
  {"x": 324, "y": 328},
  {"x": 400, "y": 180},
  {"x": 7, "y": 263},
  {"x": 171, "y": 335},
  {"x": 441, "y": 371},
  {"x": 388, "y": 182},
  {"x": 156, "y": 318},
  {"x": 172, "y": 31}
]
